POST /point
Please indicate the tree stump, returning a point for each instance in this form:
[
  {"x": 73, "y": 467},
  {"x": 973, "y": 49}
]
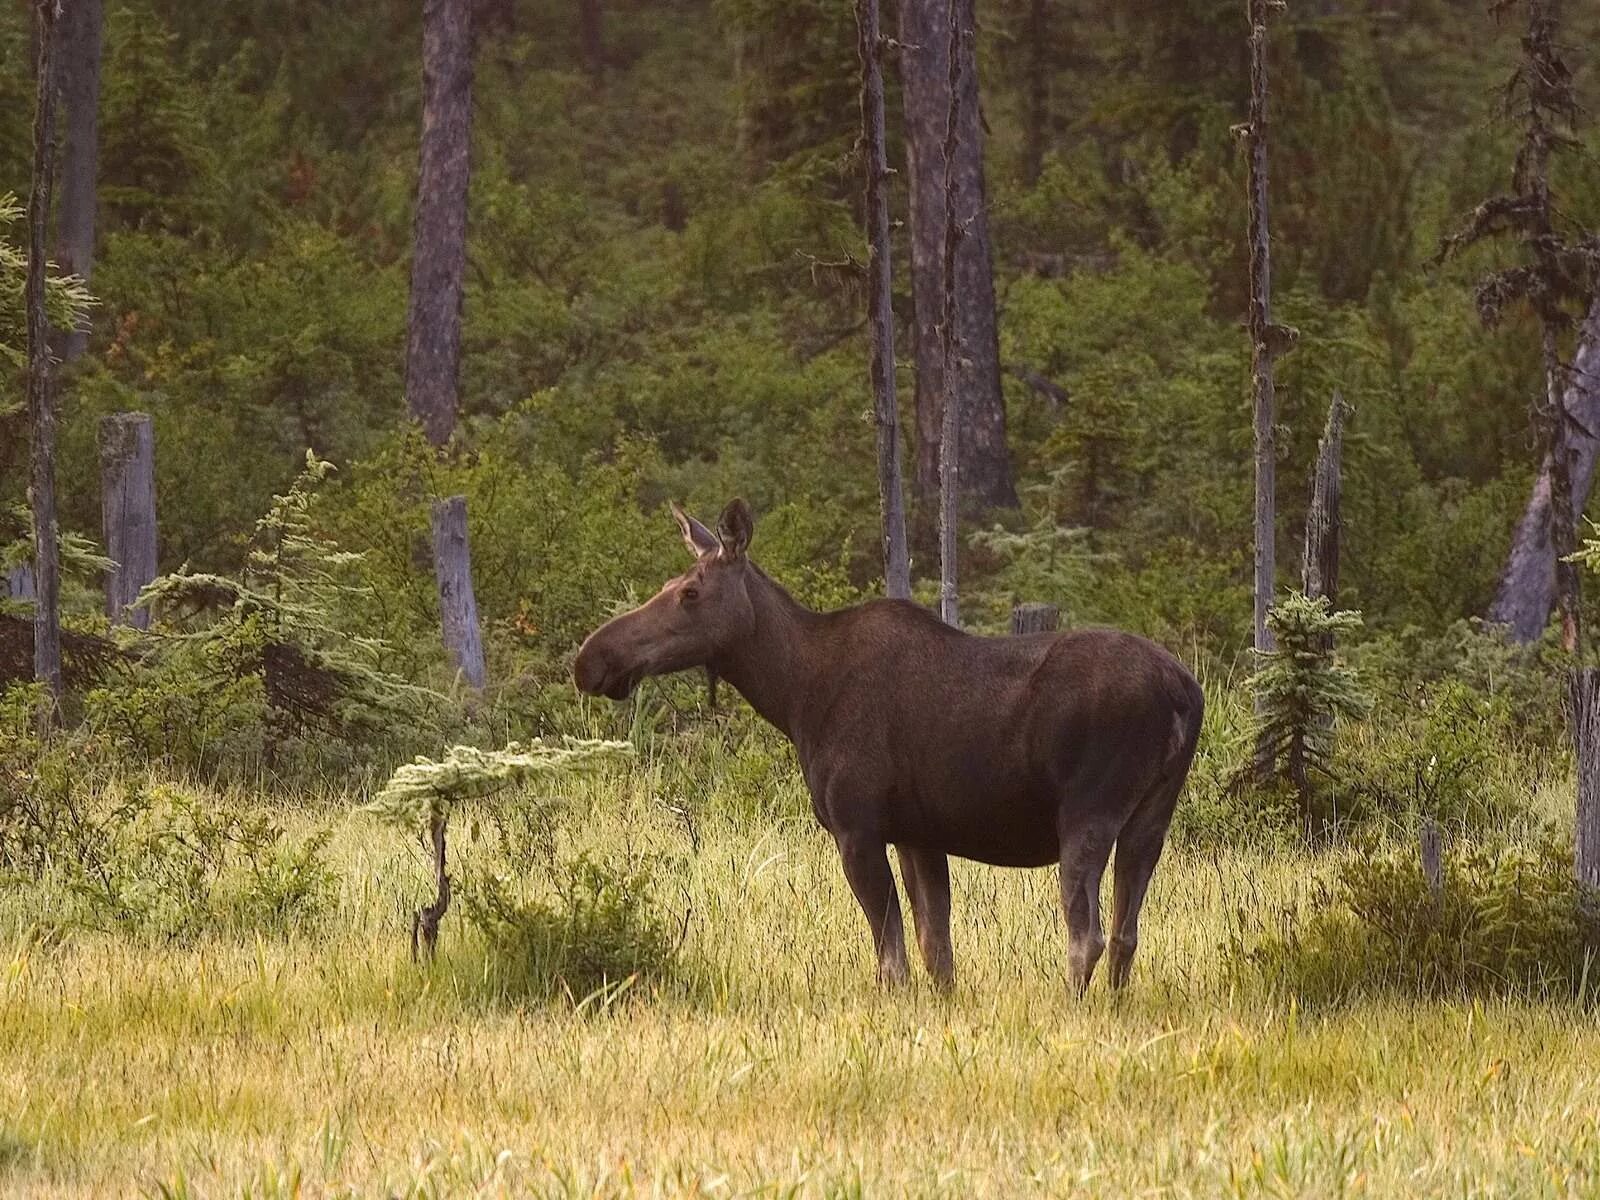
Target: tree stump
[
  {"x": 1583, "y": 711},
  {"x": 128, "y": 512},
  {"x": 458, "y": 606},
  {"x": 1432, "y": 849},
  {"x": 1035, "y": 618}
]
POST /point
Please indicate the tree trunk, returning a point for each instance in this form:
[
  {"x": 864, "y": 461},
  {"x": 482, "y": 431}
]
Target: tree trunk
[
  {"x": 78, "y": 85},
  {"x": 128, "y": 512},
  {"x": 439, "y": 254},
  {"x": 1319, "y": 573},
  {"x": 1527, "y": 591},
  {"x": 1430, "y": 845},
  {"x": 1034, "y": 618},
  {"x": 954, "y": 364},
  {"x": 1583, "y": 699},
  {"x": 1563, "y": 519},
  {"x": 425, "y": 922},
  {"x": 1037, "y": 106},
  {"x": 880, "y": 308},
  {"x": 1264, "y": 341},
  {"x": 458, "y": 606},
  {"x": 433, "y": 329},
  {"x": 41, "y": 403},
  {"x": 926, "y": 74}
]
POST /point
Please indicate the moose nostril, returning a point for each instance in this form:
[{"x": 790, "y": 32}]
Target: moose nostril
[{"x": 589, "y": 670}]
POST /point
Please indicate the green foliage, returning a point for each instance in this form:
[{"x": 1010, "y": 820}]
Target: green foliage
[
  {"x": 601, "y": 933},
  {"x": 67, "y": 301},
  {"x": 1302, "y": 687},
  {"x": 426, "y": 789},
  {"x": 1508, "y": 919}
]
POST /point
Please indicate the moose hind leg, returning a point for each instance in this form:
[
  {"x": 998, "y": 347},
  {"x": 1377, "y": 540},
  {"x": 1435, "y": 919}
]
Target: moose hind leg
[
  {"x": 927, "y": 876},
  {"x": 1139, "y": 847},
  {"x": 1085, "y": 846},
  {"x": 866, "y": 866}
]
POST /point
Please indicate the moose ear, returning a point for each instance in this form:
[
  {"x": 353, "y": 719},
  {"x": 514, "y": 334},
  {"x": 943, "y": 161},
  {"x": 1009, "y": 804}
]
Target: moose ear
[
  {"x": 735, "y": 527},
  {"x": 696, "y": 536}
]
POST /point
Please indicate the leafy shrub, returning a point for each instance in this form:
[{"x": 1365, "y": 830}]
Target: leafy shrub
[
  {"x": 602, "y": 929},
  {"x": 160, "y": 861},
  {"x": 1507, "y": 919}
]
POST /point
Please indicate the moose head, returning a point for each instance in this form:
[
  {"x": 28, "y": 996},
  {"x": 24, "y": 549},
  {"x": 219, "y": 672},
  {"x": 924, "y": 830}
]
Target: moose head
[{"x": 690, "y": 622}]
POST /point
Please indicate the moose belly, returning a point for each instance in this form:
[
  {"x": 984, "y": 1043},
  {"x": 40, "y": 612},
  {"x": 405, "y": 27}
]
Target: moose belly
[{"x": 1004, "y": 826}]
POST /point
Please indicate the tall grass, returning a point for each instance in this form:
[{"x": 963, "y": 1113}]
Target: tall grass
[{"x": 325, "y": 1063}]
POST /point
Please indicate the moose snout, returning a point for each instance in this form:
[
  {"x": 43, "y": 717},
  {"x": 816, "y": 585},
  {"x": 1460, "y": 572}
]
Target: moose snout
[{"x": 597, "y": 673}]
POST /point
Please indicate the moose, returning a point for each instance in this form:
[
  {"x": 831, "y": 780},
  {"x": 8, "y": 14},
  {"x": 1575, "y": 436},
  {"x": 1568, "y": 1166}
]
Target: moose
[{"x": 1019, "y": 751}]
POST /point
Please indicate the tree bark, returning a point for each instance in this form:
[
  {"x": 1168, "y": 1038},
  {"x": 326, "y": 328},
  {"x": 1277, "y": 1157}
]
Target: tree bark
[
  {"x": 41, "y": 402},
  {"x": 1034, "y": 618},
  {"x": 880, "y": 308},
  {"x": 1319, "y": 572},
  {"x": 1264, "y": 343},
  {"x": 439, "y": 236},
  {"x": 1037, "y": 105},
  {"x": 128, "y": 512},
  {"x": 1583, "y": 699},
  {"x": 954, "y": 364},
  {"x": 926, "y": 74},
  {"x": 1527, "y": 591},
  {"x": 78, "y": 85},
  {"x": 425, "y": 922},
  {"x": 458, "y": 606},
  {"x": 1430, "y": 846}
]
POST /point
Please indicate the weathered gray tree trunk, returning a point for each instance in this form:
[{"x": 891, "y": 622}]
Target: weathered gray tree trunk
[
  {"x": 439, "y": 237},
  {"x": 458, "y": 606},
  {"x": 78, "y": 85},
  {"x": 438, "y": 274},
  {"x": 41, "y": 401},
  {"x": 1583, "y": 699},
  {"x": 1319, "y": 572},
  {"x": 128, "y": 512},
  {"x": 926, "y": 73},
  {"x": 1266, "y": 340},
  {"x": 880, "y": 308},
  {"x": 1035, "y": 618},
  {"x": 1527, "y": 591},
  {"x": 1430, "y": 846},
  {"x": 955, "y": 366}
]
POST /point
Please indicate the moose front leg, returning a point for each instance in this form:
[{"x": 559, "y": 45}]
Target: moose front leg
[{"x": 866, "y": 866}]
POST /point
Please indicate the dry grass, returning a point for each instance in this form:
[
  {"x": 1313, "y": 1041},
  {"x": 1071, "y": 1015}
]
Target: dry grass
[{"x": 770, "y": 1065}]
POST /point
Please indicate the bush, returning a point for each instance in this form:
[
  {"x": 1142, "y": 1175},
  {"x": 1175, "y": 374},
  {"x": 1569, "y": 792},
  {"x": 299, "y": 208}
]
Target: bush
[
  {"x": 1507, "y": 919},
  {"x": 602, "y": 930}
]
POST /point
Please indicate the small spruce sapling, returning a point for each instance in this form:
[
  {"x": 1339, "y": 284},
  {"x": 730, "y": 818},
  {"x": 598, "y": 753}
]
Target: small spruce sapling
[
  {"x": 420, "y": 795},
  {"x": 1302, "y": 687}
]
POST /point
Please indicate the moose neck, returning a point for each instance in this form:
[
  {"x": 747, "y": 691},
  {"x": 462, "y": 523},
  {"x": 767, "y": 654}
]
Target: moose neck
[{"x": 771, "y": 666}]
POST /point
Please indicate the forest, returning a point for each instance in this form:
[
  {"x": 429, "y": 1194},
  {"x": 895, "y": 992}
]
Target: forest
[{"x": 360, "y": 360}]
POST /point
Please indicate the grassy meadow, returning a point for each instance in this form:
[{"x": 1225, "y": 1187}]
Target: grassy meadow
[{"x": 325, "y": 1063}]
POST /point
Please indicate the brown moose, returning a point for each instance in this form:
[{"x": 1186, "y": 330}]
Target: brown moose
[{"x": 1016, "y": 751}]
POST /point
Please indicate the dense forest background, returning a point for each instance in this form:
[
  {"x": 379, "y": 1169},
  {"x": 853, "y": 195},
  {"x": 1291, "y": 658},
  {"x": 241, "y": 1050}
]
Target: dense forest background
[{"x": 665, "y": 297}]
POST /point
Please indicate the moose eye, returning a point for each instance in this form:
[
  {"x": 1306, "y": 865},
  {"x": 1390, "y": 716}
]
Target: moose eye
[{"x": 689, "y": 595}]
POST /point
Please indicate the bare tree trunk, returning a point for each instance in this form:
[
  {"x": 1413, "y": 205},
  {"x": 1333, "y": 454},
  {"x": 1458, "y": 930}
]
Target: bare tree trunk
[
  {"x": 425, "y": 922},
  {"x": 1265, "y": 339},
  {"x": 1034, "y": 618},
  {"x": 438, "y": 272},
  {"x": 1430, "y": 846},
  {"x": 1319, "y": 574},
  {"x": 128, "y": 512},
  {"x": 954, "y": 343},
  {"x": 439, "y": 254},
  {"x": 926, "y": 75},
  {"x": 880, "y": 308},
  {"x": 78, "y": 84},
  {"x": 1527, "y": 591},
  {"x": 458, "y": 605},
  {"x": 1037, "y": 109},
  {"x": 41, "y": 403},
  {"x": 1563, "y": 520},
  {"x": 1583, "y": 699}
]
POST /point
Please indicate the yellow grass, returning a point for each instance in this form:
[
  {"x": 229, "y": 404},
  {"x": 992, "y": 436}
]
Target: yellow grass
[{"x": 771, "y": 1065}]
